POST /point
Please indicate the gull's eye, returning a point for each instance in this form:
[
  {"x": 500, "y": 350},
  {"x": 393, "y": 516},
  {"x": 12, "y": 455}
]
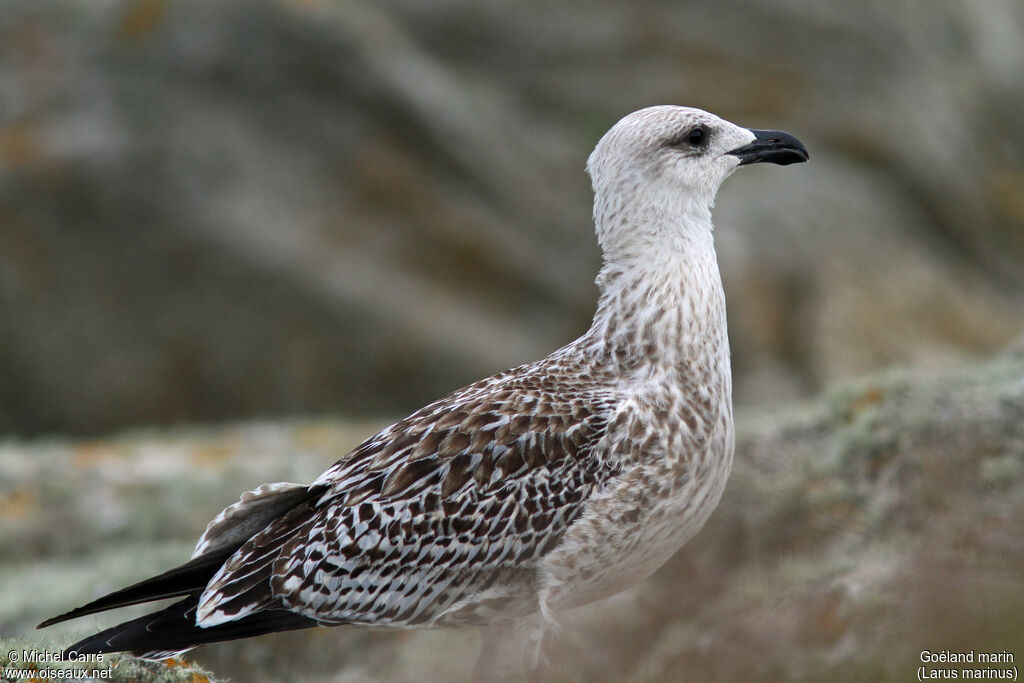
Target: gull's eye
[{"x": 695, "y": 138}]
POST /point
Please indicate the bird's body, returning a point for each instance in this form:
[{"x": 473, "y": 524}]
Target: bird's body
[{"x": 542, "y": 488}]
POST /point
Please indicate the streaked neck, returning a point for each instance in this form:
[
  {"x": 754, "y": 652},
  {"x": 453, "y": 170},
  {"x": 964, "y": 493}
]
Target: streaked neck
[{"x": 661, "y": 307}]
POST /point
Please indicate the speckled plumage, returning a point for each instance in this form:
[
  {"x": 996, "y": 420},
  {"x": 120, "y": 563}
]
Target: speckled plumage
[{"x": 542, "y": 488}]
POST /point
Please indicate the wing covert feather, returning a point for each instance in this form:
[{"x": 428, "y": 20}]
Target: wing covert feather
[{"x": 458, "y": 500}]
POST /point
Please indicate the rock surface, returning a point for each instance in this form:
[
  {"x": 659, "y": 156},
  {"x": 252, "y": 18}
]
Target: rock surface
[{"x": 858, "y": 530}]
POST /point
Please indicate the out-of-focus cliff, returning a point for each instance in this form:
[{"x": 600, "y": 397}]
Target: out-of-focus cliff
[{"x": 220, "y": 209}]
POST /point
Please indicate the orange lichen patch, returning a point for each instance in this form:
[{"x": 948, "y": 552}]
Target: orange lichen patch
[
  {"x": 871, "y": 397},
  {"x": 315, "y": 435},
  {"x": 176, "y": 663},
  {"x": 18, "y": 505},
  {"x": 90, "y": 454},
  {"x": 19, "y": 144},
  {"x": 213, "y": 453},
  {"x": 140, "y": 19}
]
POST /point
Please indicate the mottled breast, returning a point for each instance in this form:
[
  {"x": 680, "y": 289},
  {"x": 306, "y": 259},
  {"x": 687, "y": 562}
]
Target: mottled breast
[{"x": 679, "y": 461}]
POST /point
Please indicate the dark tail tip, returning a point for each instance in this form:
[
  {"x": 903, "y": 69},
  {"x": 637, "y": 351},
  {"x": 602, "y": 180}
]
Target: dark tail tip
[{"x": 173, "y": 630}]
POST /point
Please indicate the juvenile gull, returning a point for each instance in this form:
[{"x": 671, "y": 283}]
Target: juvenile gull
[{"x": 542, "y": 488}]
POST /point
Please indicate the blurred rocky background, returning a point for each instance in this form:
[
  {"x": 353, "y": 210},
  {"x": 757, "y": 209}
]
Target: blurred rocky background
[{"x": 216, "y": 210}]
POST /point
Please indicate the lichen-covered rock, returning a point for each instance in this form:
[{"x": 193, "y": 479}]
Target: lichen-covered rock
[{"x": 23, "y": 660}]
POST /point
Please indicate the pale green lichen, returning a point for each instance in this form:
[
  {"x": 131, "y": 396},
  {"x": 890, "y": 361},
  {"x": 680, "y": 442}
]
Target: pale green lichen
[{"x": 35, "y": 656}]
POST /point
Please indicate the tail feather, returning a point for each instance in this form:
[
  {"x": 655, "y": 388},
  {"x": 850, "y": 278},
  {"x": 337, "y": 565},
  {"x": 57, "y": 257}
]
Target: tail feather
[
  {"x": 181, "y": 580},
  {"x": 173, "y": 630}
]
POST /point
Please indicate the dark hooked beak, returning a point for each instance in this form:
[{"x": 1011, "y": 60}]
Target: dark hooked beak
[{"x": 772, "y": 146}]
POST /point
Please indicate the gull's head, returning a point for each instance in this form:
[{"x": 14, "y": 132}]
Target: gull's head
[{"x": 659, "y": 168}]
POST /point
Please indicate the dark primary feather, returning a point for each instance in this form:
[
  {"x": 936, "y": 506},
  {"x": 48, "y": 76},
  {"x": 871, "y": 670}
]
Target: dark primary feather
[
  {"x": 181, "y": 580},
  {"x": 174, "y": 629},
  {"x": 223, "y": 537}
]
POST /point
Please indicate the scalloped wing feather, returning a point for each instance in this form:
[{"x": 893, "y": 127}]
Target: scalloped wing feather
[{"x": 458, "y": 500}]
